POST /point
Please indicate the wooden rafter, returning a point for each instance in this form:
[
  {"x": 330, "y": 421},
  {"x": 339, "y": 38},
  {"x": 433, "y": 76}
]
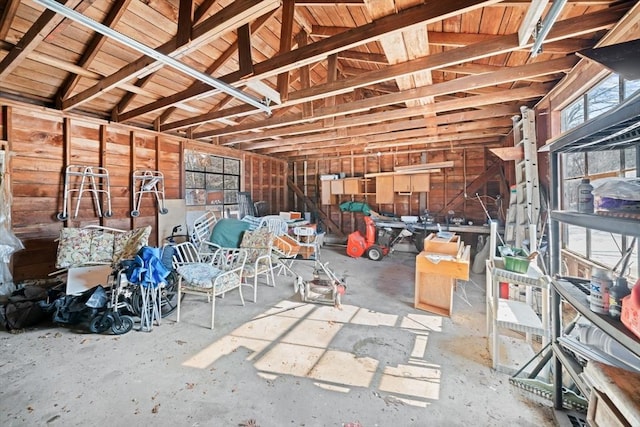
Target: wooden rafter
[
  {"x": 45, "y": 24},
  {"x": 313, "y": 52},
  {"x": 286, "y": 38},
  {"x": 353, "y": 129},
  {"x": 92, "y": 49},
  {"x": 535, "y": 69},
  {"x": 9, "y": 12},
  {"x": 175, "y": 99},
  {"x": 231, "y": 17},
  {"x": 497, "y": 45}
]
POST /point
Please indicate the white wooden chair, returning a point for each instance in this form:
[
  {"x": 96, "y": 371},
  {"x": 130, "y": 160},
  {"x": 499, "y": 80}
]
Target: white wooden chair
[{"x": 209, "y": 275}]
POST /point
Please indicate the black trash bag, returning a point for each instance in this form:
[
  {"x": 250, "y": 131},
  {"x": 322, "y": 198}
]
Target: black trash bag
[
  {"x": 74, "y": 309},
  {"x": 25, "y": 308}
]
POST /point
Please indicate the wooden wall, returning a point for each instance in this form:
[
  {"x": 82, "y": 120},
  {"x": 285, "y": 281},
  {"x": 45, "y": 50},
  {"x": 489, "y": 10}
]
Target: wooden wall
[
  {"x": 469, "y": 164},
  {"x": 41, "y": 143}
]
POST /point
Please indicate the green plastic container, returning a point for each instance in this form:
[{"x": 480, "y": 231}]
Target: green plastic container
[
  {"x": 517, "y": 264},
  {"x": 515, "y": 259}
]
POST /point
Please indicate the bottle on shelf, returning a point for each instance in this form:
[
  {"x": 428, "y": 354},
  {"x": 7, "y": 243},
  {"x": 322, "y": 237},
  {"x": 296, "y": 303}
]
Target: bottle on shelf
[
  {"x": 585, "y": 196},
  {"x": 601, "y": 283}
]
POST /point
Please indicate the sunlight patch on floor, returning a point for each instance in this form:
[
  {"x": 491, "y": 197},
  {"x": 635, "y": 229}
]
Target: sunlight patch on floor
[
  {"x": 296, "y": 339},
  {"x": 410, "y": 380},
  {"x": 341, "y": 367}
]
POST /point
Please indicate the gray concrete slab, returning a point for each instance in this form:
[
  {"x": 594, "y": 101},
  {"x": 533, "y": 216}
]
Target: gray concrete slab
[{"x": 376, "y": 361}]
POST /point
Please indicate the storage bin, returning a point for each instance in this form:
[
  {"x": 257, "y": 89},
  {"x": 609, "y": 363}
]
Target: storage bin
[
  {"x": 515, "y": 259},
  {"x": 517, "y": 264}
]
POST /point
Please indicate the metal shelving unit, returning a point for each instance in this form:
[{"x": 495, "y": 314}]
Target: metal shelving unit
[{"x": 614, "y": 130}]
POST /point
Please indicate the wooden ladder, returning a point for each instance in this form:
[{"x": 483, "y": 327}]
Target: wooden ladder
[{"x": 524, "y": 200}]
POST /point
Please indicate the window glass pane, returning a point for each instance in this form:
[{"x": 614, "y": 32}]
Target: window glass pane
[
  {"x": 575, "y": 239},
  {"x": 630, "y": 87},
  {"x": 194, "y": 179},
  {"x": 215, "y": 164},
  {"x": 232, "y": 166},
  {"x": 603, "y": 97},
  {"x": 211, "y": 180},
  {"x": 195, "y": 161},
  {"x": 573, "y": 115},
  {"x": 605, "y": 248},
  {"x": 630, "y": 158},
  {"x": 195, "y": 197},
  {"x": 230, "y": 197},
  {"x": 232, "y": 182},
  {"x": 570, "y": 194},
  {"x": 603, "y": 161},
  {"x": 214, "y": 182},
  {"x": 573, "y": 165}
]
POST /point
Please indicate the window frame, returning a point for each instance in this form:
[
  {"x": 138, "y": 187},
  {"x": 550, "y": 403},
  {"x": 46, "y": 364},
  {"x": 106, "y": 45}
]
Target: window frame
[
  {"x": 212, "y": 180},
  {"x": 589, "y": 249}
]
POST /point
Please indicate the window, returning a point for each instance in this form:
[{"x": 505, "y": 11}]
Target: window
[
  {"x": 573, "y": 115},
  {"x": 631, "y": 87},
  {"x": 602, "y": 248},
  {"x": 603, "y": 97},
  {"x": 212, "y": 180}
]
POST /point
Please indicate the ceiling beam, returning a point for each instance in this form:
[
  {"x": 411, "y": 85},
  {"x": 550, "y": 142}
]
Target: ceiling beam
[
  {"x": 91, "y": 50},
  {"x": 44, "y": 25},
  {"x": 8, "y": 13},
  {"x": 519, "y": 95},
  {"x": 489, "y": 79},
  {"x": 419, "y": 15},
  {"x": 224, "y": 57},
  {"x": 376, "y": 134},
  {"x": 231, "y": 17}
]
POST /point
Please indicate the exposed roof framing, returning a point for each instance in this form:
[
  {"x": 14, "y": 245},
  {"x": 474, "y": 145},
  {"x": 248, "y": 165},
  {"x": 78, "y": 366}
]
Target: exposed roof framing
[{"x": 343, "y": 76}]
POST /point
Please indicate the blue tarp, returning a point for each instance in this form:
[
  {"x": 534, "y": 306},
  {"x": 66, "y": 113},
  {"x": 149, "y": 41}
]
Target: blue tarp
[{"x": 147, "y": 268}]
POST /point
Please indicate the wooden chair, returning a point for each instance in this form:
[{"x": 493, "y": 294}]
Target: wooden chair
[{"x": 209, "y": 275}]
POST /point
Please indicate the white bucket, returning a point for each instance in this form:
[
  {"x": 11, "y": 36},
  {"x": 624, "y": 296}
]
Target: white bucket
[{"x": 601, "y": 282}]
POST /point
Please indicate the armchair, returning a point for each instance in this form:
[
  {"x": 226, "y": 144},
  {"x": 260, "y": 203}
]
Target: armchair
[
  {"x": 211, "y": 276},
  {"x": 202, "y": 228},
  {"x": 258, "y": 244}
]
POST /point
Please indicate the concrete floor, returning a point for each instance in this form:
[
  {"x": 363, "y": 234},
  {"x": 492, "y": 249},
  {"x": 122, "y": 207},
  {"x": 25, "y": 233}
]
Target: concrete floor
[{"x": 377, "y": 361}]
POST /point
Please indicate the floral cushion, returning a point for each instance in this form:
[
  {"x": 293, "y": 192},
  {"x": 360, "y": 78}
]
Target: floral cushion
[
  {"x": 101, "y": 247},
  {"x": 81, "y": 246},
  {"x": 257, "y": 243},
  {"x": 74, "y": 247},
  {"x": 202, "y": 276},
  {"x": 126, "y": 245}
]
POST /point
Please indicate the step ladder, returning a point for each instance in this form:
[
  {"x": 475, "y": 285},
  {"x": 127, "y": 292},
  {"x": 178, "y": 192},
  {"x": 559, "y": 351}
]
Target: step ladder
[{"x": 524, "y": 200}]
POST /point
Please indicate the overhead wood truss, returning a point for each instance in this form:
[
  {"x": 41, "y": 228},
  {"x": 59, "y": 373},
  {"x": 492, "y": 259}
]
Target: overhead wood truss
[{"x": 339, "y": 76}]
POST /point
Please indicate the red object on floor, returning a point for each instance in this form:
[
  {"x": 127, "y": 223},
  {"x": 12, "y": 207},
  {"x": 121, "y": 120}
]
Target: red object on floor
[
  {"x": 504, "y": 290},
  {"x": 356, "y": 244}
]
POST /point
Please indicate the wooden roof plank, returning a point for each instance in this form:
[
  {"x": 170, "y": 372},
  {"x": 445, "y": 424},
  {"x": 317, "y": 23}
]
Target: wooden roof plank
[
  {"x": 229, "y": 18},
  {"x": 44, "y": 25},
  {"x": 92, "y": 49}
]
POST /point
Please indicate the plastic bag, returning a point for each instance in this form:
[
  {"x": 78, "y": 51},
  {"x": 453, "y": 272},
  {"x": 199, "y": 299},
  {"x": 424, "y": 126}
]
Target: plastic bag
[
  {"x": 617, "y": 188},
  {"x": 9, "y": 243}
]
